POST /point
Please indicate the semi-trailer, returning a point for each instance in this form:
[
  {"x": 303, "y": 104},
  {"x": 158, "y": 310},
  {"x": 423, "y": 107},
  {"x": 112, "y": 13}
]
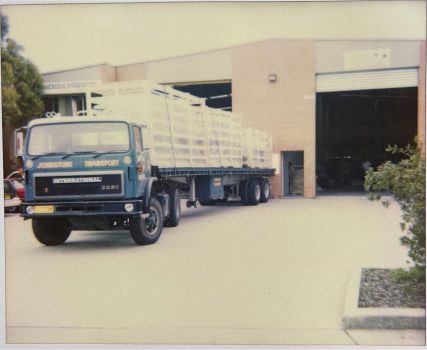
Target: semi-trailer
[{"x": 126, "y": 162}]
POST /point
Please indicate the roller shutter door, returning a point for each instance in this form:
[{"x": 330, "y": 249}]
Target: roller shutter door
[{"x": 367, "y": 80}]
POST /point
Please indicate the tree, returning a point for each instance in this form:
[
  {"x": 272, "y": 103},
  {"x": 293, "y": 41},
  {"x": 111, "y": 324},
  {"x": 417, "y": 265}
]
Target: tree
[
  {"x": 405, "y": 180},
  {"x": 22, "y": 90},
  {"x": 22, "y": 85}
]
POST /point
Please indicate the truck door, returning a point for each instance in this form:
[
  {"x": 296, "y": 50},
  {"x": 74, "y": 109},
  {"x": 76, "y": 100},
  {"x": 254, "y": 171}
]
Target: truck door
[{"x": 141, "y": 163}]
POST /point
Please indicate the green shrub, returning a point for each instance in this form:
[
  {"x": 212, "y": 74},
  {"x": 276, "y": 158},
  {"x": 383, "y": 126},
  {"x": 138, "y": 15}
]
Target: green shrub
[
  {"x": 411, "y": 281},
  {"x": 405, "y": 180}
]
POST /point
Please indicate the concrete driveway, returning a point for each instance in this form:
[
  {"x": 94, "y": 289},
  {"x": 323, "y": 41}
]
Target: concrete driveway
[{"x": 272, "y": 274}]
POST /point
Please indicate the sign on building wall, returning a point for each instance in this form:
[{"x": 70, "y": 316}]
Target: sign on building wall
[
  {"x": 74, "y": 85},
  {"x": 367, "y": 59}
]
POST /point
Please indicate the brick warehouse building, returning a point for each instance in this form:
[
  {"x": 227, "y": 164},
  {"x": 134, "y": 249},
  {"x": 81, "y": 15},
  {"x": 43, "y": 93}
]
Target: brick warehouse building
[{"x": 329, "y": 105}]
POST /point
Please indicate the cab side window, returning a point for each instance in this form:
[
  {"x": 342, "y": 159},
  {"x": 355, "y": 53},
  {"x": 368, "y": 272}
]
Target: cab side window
[{"x": 138, "y": 138}]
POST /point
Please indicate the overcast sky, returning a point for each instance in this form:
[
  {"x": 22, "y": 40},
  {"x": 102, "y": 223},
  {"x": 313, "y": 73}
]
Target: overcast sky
[{"x": 57, "y": 37}]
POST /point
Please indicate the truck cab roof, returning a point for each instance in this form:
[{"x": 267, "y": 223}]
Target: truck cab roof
[{"x": 76, "y": 119}]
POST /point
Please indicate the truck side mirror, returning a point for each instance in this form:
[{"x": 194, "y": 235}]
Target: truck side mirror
[
  {"x": 147, "y": 138},
  {"x": 19, "y": 142}
]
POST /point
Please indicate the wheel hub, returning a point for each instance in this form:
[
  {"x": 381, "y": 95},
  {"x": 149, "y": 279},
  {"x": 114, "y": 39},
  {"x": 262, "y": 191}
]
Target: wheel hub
[
  {"x": 152, "y": 222},
  {"x": 257, "y": 192}
]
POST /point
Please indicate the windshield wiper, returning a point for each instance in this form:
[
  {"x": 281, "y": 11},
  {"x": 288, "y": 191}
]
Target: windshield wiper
[
  {"x": 48, "y": 154},
  {"x": 101, "y": 153},
  {"x": 106, "y": 152},
  {"x": 81, "y": 152}
]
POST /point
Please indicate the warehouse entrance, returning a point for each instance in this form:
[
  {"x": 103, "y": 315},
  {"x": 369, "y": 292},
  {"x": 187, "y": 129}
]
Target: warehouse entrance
[
  {"x": 217, "y": 94},
  {"x": 353, "y": 129}
]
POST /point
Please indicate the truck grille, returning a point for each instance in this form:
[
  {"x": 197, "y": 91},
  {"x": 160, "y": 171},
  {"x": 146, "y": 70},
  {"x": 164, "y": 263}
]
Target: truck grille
[{"x": 76, "y": 185}]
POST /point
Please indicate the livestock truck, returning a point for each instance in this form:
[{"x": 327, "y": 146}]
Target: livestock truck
[{"x": 127, "y": 161}]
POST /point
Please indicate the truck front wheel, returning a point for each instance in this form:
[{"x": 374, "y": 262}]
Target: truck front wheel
[
  {"x": 147, "y": 230},
  {"x": 51, "y": 231}
]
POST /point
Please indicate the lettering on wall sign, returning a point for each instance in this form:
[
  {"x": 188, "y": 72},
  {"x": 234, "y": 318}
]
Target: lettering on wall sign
[{"x": 70, "y": 84}]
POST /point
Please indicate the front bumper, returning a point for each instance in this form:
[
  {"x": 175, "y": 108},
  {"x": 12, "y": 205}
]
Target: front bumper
[{"x": 87, "y": 208}]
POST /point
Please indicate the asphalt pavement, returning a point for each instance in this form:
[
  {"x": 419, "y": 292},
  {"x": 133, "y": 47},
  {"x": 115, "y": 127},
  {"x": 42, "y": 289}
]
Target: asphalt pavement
[{"x": 276, "y": 273}]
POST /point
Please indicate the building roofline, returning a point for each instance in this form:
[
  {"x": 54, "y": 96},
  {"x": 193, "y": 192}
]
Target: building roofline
[
  {"x": 77, "y": 68},
  {"x": 256, "y": 42},
  {"x": 224, "y": 49}
]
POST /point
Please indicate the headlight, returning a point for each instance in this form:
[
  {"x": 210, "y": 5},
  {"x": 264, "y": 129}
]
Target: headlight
[
  {"x": 29, "y": 163},
  {"x": 29, "y": 209},
  {"x": 129, "y": 207},
  {"x": 127, "y": 160}
]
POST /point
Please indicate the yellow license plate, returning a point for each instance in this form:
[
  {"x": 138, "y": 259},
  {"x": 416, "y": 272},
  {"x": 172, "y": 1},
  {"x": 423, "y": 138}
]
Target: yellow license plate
[
  {"x": 7, "y": 196},
  {"x": 44, "y": 209}
]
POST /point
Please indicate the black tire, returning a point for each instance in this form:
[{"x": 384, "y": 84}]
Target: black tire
[
  {"x": 254, "y": 192},
  {"x": 243, "y": 191},
  {"x": 51, "y": 231},
  {"x": 11, "y": 209},
  {"x": 174, "y": 209},
  {"x": 146, "y": 231},
  {"x": 265, "y": 191}
]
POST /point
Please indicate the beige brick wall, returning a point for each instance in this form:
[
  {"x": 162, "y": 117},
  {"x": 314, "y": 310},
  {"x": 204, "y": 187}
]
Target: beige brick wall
[
  {"x": 108, "y": 73},
  {"x": 285, "y": 108},
  {"x": 130, "y": 72}
]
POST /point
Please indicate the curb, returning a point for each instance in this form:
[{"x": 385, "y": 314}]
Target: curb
[{"x": 377, "y": 318}]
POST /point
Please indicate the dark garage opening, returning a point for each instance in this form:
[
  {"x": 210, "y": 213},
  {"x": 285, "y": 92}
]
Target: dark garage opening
[
  {"x": 353, "y": 129},
  {"x": 293, "y": 173},
  {"x": 218, "y": 95}
]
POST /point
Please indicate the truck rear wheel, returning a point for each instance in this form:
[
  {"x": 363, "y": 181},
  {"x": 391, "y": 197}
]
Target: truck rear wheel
[
  {"x": 51, "y": 231},
  {"x": 243, "y": 191},
  {"x": 254, "y": 192},
  {"x": 265, "y": 191},
  {"x": 147, "y": 230},
  {"x": 174, "y": 209}
]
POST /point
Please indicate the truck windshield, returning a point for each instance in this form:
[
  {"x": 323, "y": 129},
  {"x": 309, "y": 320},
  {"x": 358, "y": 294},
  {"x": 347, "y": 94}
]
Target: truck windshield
[{"x": 78, "y": 137}]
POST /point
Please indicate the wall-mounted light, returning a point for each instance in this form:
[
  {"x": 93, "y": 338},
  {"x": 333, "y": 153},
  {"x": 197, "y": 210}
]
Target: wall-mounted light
[{"x": 272, "y": 77}]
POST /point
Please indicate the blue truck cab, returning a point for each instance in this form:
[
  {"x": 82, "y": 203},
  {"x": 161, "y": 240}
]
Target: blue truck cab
[{"x": 87, "y": 173}]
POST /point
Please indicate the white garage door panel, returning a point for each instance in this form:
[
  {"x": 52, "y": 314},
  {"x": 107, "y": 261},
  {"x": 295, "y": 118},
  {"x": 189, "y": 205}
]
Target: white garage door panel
[{"x": 382, "y": 79}]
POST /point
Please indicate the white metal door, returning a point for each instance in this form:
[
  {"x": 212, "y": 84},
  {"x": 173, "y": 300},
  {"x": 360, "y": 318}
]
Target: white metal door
[{"x": 367, "y": 80}]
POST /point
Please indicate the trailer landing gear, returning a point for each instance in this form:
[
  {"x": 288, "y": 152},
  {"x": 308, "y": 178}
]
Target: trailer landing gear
[{"x": 193, "y": 204}]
